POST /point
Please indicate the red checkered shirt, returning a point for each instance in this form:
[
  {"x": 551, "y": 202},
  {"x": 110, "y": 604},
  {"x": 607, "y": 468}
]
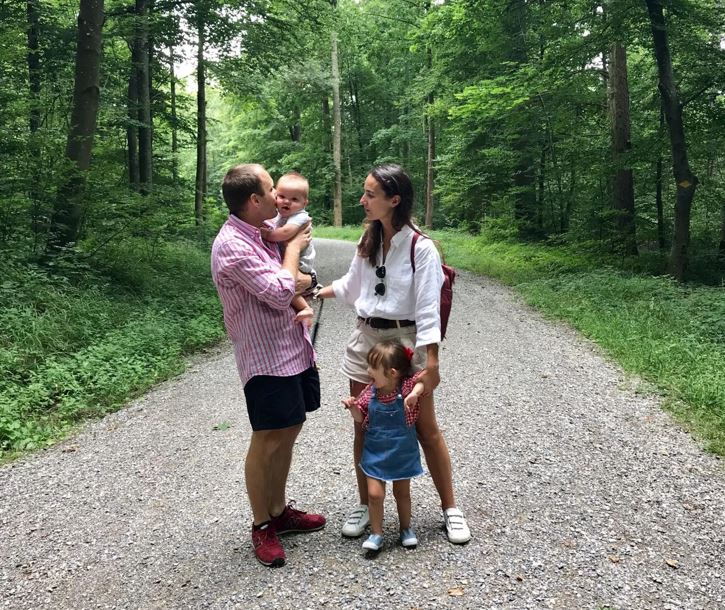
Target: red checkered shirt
[{"x": 411, "y": 415}]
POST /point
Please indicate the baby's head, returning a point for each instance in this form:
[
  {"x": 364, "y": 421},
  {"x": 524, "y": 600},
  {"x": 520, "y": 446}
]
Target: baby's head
[
  {"x": 292, "y": 192},
  {"x": 389, "y": 361}
]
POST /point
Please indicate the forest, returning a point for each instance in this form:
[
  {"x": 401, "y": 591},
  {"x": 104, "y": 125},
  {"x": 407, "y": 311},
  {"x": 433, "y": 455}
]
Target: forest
[{"x": 574, "y": 136}]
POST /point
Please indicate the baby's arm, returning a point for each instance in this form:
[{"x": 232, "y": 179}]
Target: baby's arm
[
  {"x": 284, "y": 233},
  {"x": 304, "y": 311}
]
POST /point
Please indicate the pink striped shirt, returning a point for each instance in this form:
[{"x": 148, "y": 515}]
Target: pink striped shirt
[{"x": 256, "y": 293}]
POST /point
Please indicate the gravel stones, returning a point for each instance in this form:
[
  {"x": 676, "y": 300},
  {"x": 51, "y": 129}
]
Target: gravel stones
[{"x": 579, "y": 492}]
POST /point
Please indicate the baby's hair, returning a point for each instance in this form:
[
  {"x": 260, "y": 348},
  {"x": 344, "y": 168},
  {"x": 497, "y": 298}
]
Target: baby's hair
[
  {"x": 388, "y": 355},
  {"x": 298, "y": 178}
]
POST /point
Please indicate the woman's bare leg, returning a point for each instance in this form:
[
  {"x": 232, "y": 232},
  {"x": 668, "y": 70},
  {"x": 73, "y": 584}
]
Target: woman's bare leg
[
  {"x": 362, "y": 484},
  {"x": 436, "y": 452}
]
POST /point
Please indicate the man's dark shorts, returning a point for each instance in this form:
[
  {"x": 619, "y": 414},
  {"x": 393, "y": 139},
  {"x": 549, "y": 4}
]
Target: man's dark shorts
[{"x": 280, "y": 402}]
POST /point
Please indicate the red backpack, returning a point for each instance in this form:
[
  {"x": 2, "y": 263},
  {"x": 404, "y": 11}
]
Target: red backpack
[{"x": 449, "y": 276}]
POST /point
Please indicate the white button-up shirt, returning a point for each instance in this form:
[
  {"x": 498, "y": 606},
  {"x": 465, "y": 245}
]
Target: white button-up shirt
[{"x": 408, "y": 296}]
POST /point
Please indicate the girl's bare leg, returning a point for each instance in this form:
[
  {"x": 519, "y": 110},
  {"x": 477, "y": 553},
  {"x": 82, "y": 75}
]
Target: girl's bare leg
[
  {"x": 401, "y": 491},
  {"x": 376, "y": 498}
]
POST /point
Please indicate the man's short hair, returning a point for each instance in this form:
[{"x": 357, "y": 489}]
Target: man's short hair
[
  {"x": 239, "y": 184},
  {"x": 296, "y": 177}
]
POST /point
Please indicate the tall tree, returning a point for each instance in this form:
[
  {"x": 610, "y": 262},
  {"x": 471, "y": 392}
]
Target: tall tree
[
  {"x": 515, "y": 27},
  {"x": 685, "y": 180},
  {"x": 201, "y": 168},
  {"x": 623, "y": 180},
  {"x": 336, "y": 129},
  {"x": 34, "y": 79},
  {"x": 141, "y": 57},
  {"x": 68, "y": 209}
]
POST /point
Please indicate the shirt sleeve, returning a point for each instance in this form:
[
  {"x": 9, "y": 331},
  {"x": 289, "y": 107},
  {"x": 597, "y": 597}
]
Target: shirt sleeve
[
  {"x": 363, "y": 403},
  {"x": 428, "y": 280},
  {"x": 348, "y": 287},
  {"x": 299, "y": 219},
  {"x": 243, "y": 267}
]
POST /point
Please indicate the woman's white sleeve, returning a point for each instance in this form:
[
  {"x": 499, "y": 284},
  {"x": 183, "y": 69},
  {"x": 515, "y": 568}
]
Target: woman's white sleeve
[
  {"x": 428, "y": 278},
  {"x": 348, "y": 287}
]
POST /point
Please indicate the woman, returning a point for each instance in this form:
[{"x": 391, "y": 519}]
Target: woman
[{"x": 392, "y": 301}]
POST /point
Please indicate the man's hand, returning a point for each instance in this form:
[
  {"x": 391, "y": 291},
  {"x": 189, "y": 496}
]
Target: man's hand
[
  {"x": 305, "y": 316},
  {"x": 302, "y": 239}
]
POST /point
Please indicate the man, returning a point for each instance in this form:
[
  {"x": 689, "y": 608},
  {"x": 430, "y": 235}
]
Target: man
[{"x": 275, "y": 358}]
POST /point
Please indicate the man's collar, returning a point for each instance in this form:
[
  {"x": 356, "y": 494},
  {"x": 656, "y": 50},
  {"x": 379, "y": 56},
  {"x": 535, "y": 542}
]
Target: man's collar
[{"x": 243, "y": 225}]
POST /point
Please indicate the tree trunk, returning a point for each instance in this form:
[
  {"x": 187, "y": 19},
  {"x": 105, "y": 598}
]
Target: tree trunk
[
  {"x": 685, "y": 180},
  {"x": 68, "y": 209},
  {"x": 33, "y": 11},
  {"x": 721, "y": 247},
  {"x": 524, "y": 177},
  {"x": 658, "y": 192},
  {"x": 34, "y": 148},
  {"x": 623, "y": 181},
  {"x": 174, "y": 122},
  {"x": 145, "y": 160},
  {"x": 336, "y": 136},
  {"x": 200, "y": 192},
  {"x": 431, "y": 153},
  {"x": 134, "y": 178}
]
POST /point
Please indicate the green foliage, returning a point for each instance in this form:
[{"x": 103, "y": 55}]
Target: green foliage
[{"x": 71, "y": 350}]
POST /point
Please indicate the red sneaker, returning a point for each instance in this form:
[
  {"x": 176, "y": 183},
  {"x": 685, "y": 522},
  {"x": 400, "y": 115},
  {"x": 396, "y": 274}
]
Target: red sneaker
[
  {"x": 293, "y": 520},
  {"x": 267, "y": 547}
]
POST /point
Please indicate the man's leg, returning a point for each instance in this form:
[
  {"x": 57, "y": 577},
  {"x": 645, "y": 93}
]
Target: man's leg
[
  {"x": 279, "y": 468},
  {"x": 263, "y": 447}
]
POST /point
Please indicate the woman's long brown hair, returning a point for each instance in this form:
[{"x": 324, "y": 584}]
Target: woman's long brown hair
[{"x": 394, "y": 181}]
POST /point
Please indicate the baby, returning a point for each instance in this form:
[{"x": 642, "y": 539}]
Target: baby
[{"x": 292, "y": 192}]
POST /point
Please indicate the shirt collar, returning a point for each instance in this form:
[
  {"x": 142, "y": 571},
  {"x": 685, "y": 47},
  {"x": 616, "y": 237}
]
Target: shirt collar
[
  {"x": 401, "y": 235},
  {"x": 244, "y": 226}
]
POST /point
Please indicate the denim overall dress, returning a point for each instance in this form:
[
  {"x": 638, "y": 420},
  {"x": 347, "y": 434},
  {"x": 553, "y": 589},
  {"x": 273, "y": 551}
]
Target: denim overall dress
[{"x": 390, "y": 451}]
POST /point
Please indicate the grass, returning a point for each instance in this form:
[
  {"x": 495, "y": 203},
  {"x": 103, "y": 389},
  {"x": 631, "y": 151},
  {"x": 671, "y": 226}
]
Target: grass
[
  {"x": 670, "y": 335},
  {"x": 76, "y": 349}
]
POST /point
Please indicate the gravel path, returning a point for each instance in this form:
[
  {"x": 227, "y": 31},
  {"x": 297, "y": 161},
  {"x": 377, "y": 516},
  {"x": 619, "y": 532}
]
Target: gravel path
[{"x": 580, "y": 493}]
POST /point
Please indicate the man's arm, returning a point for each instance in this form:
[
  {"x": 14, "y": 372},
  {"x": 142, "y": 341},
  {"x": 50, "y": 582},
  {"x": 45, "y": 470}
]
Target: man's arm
[{"x": 294, "y": 246}]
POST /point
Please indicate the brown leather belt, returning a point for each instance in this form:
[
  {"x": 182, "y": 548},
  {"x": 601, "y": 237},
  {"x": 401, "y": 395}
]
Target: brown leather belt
[{"x": 381, "y": 323}]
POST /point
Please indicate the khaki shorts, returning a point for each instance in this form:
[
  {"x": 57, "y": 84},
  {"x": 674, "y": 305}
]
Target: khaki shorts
[{"x": 355, "y": 361}]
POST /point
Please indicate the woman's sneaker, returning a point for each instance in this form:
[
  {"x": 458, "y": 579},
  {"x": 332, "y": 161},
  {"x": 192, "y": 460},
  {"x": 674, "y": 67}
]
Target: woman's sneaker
[
  {"x": 373, "y": 543},
  {"x": 408, "y": 538},
  {"x": 356, "y": 522},
  {"x": 456, "y": 526}
]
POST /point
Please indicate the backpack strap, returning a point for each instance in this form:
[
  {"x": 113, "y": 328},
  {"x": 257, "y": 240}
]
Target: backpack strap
[{"x": 416, "y": 235}]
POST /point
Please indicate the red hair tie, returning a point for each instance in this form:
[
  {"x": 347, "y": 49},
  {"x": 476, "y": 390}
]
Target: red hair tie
[{"x": 408, "y": 353}]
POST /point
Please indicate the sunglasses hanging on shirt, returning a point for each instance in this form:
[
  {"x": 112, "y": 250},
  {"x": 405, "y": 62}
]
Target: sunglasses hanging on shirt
[{"x": 380, "y": 286}]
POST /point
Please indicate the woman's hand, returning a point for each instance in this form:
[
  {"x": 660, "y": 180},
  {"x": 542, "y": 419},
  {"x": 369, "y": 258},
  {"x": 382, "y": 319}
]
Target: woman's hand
[{"x": 430, "y": 378}]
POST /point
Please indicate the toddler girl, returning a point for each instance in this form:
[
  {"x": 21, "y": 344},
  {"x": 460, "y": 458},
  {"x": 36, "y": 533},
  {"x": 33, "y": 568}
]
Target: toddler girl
[{"x": 388, "y": 409}]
